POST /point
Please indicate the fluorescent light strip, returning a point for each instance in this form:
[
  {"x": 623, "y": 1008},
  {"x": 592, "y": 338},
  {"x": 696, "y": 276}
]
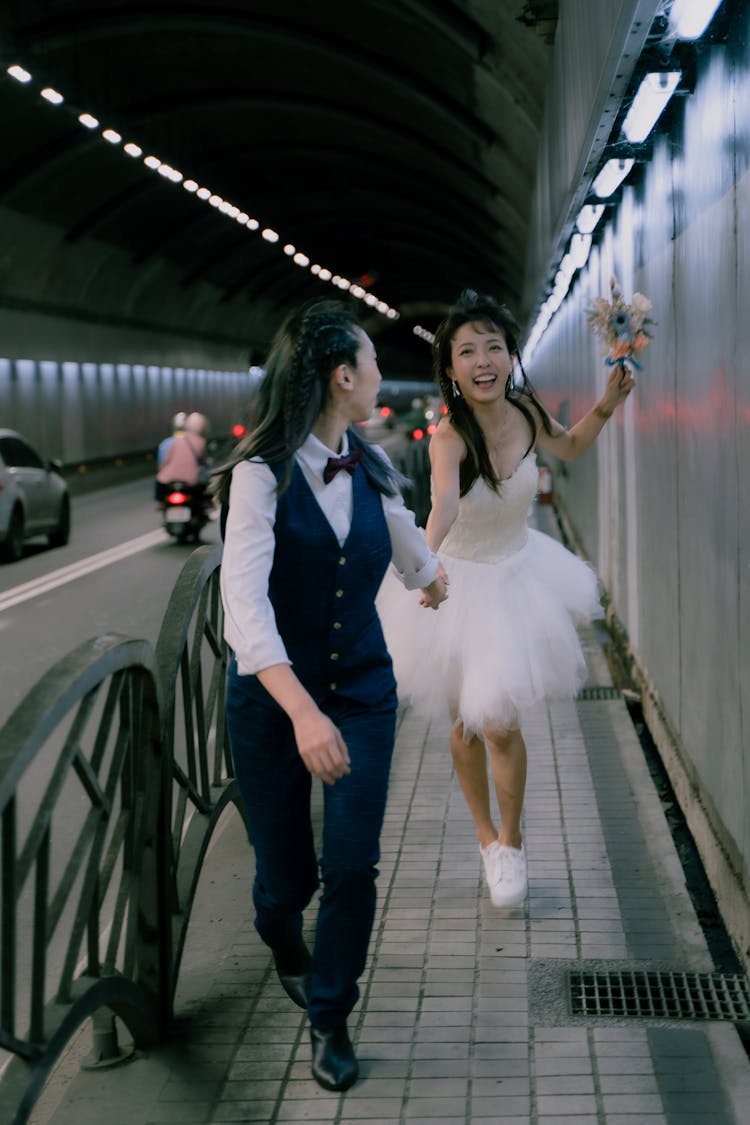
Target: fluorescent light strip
[
  {"x": 690, "y": 18},
  {"x": 611, "y": 176},
  {"x": 649, "y": 103},
  {"x": 588, "y": 217},
  {"x": 19, "y": 74},
  {"x": 113, "y": 137}
]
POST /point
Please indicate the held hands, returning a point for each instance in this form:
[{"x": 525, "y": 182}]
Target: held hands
[
  {"x": 321, "y": 746},
  {"x": 437, "y": 591}
]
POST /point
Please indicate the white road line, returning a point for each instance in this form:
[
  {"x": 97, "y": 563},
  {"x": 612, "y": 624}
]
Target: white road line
[{"x": 47, "y": 582}]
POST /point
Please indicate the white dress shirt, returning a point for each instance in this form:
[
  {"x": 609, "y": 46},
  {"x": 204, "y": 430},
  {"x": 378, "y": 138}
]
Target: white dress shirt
[{"x": 249, "y": 621}]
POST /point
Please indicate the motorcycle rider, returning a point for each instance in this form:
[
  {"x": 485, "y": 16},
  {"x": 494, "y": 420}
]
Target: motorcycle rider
[
  {"x": 178, "y": 427},
  {"x": 185, "y": 460}
]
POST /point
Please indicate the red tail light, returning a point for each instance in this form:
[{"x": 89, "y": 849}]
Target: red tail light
[
  {"x": 178, "y": 498},
  {"x": 238, "y": 430},
  {"x": 431, "y": 428},
  {"x": 417, "y": 434}
]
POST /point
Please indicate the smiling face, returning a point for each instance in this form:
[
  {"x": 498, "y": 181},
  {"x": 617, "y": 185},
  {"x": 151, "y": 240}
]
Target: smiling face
[{"x": 480, "y": 362}]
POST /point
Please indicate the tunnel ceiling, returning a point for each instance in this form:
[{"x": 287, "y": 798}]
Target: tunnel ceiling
[{"x": 392, "y": 141}]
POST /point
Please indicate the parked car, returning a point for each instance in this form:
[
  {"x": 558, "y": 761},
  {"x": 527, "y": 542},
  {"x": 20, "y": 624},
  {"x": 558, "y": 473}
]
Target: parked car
[{"x": 34, "y": 498}]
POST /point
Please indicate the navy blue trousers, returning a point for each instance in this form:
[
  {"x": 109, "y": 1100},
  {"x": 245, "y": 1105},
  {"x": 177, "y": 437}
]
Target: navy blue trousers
[{"x": 276, "y": 789}]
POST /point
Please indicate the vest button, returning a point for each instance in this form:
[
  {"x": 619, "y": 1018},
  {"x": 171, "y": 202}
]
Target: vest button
[
  {"x": 332, "y": 687},
  {"x": 342, "y": 560},
  {"x": 337, "y": 624},
  {"x": 339, "y": 593},
  {"x": 334, "y": 656}
]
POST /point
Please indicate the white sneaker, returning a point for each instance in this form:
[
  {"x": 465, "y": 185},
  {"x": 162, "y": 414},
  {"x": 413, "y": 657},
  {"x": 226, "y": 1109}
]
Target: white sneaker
[{"x": 505, "y": 871}]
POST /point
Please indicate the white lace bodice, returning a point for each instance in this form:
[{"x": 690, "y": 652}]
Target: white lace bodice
[{"x": 492, "y": 525}]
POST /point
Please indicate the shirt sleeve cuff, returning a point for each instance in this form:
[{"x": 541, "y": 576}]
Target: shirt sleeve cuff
[
  {"x": 251, "y": 664},
  {"x": 423, "y": 577}
]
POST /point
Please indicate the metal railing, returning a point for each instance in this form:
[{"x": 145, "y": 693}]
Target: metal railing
[{"x": 114, "y": 770}]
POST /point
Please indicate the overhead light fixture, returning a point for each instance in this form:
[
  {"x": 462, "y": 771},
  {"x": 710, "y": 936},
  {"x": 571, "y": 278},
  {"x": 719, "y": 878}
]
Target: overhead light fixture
[
  {"x": 580, "y": 245},
  {"x": 611, "y": 176},
  {"x": 554, "y": 300},
  {"x": 567, "y": 266},
  {"x": 588, "y": 217},
  {"x": 690, "y": 18},
  {"x": 224, "y": 206},
  {"x": 649, "y": 103},
  {"x": 19, "y": 74}
]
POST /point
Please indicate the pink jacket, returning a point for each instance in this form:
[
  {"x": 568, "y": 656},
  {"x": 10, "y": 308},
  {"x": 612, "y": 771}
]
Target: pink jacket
[{"x": 183, "y": 459}]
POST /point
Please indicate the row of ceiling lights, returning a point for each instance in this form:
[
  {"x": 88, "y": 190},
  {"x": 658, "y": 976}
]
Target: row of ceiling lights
[
  {"x": 223, "y": 206},
  {"x": 423, "y": 333},
  {"x": 688, "y": 19}
]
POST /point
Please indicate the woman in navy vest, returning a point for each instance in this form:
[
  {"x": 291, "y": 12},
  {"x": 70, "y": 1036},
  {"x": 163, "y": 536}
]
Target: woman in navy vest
[{"x": 314, "y": 515}]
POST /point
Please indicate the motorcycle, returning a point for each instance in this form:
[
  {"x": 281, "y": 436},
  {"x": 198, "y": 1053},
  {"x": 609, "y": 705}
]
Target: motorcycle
[{"x": 186, "y": 510}]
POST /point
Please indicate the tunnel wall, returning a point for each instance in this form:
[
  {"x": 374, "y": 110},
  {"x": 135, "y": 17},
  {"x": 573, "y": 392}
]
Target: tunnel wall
[
  {"x": 596, "y": 49},
  {"x": 80, "y": 412},
  {"x": 660, "y": 505}
]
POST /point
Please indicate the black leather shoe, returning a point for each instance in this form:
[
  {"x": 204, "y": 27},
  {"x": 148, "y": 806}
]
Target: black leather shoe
[
  {"x": 293, "y": 972},
  {"x": 334, "y": 1064}
]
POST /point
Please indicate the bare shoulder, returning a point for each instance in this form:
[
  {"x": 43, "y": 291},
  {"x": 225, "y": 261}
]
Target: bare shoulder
[
  {"x": 446, "y": 441},
  {"x": 446, "y": 433},
  {"x": 533, "y": 405}
]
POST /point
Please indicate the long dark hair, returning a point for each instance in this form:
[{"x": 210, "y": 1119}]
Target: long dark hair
[
  {"x": 311, "y": 342},
  {"x": 476, "y": 308}
]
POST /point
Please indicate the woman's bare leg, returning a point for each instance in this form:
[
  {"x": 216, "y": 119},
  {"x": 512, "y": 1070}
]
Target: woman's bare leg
[
  {"x": 470, "y": 764},
  {"x": 508, "y": 762}
]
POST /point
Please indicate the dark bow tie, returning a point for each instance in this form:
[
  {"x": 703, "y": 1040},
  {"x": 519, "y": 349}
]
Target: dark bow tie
[{"x": 333, "y": 464}]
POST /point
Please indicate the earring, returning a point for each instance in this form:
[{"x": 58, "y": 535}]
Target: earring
[{"x": 454, "y": 387}]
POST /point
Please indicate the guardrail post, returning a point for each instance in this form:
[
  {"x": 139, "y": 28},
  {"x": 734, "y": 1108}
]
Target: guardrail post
[{"x": 106, "y": 1051}]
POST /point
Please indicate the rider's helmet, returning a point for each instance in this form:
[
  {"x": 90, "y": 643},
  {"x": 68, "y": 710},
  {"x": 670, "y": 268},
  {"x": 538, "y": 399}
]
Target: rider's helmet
[
  {"x": 179, "y": 420},
  {"x": 196, "y": 423}
]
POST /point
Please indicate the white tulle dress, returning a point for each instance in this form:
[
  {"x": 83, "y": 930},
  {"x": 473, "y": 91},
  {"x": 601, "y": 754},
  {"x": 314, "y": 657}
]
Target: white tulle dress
[{"x": 506, "y": 636}]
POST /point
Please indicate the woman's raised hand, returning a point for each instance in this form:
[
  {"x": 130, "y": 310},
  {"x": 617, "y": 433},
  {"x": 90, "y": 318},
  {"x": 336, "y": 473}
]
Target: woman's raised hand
[{"x": 619, "y": 386}]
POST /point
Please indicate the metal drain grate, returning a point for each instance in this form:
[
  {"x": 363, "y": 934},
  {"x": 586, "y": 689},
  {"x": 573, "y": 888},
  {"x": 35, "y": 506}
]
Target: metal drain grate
[
  {"x": 660, "y": 995},
  {"x": 602, "y": 692}
]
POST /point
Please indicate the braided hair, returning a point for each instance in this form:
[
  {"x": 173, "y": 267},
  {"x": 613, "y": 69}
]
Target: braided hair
[
  {"x": 476, "y": 308},
  {"x": 311, "y": 342}
]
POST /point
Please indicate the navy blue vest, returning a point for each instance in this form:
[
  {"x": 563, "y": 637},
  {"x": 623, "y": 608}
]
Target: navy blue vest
[{"x": 323, "y": 594}]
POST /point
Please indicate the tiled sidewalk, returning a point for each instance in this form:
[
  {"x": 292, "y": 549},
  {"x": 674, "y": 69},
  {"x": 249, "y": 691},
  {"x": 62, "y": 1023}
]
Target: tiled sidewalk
[{"x": 464, "y": 1015}]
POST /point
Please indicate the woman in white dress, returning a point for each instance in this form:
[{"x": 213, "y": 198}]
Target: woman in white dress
[{"x": 506, "y": 638}]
